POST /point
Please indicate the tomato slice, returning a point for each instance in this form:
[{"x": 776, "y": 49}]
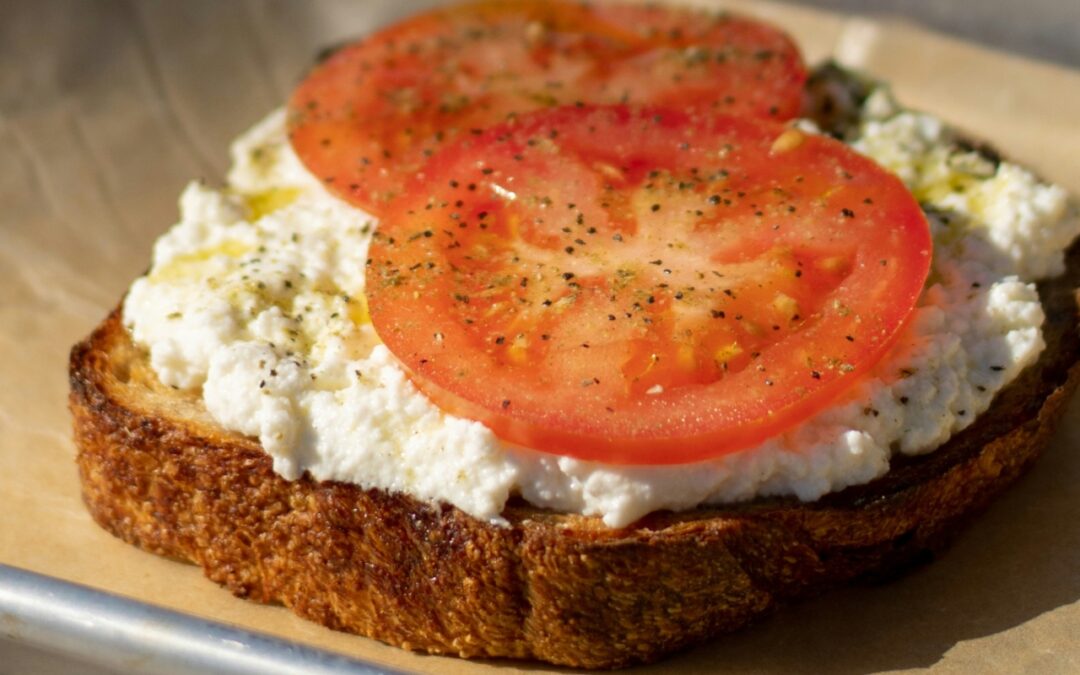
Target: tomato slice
[
  {"x": 367, "y": 118},
  {"x": 644, "y": 287}
]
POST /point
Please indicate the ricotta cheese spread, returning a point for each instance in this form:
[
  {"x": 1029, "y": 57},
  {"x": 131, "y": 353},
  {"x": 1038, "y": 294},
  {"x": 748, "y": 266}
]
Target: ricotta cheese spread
[{"x": 256, "y": 297}]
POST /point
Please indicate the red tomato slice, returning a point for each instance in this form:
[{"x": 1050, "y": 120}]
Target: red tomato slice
[
  {"x": 644, "y": 287},
  {"x": 367, "y": 118}
]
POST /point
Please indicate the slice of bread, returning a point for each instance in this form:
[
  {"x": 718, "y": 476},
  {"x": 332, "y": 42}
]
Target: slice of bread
[{"x": 158, "y": 472}]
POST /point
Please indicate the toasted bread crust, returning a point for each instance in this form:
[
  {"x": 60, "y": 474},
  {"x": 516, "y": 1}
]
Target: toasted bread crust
[{"x": 157, "y": 472}]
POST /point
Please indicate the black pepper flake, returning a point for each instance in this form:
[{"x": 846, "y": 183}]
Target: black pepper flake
[
  {"x": 847, "y": 213},
  {"x": 849, "y": 338},
  {"x": 655, "y": 208},
  {"x": 499, "y": 340},
  {"x": 904, "y": 400},
  {"x": 569, "y": 249},
  {"x": 815, "y": 374},
  {"x": 718, "y": 314},
  {"x": 506, "y": 403},
  {"x": 997, "y": 369},
  {"x": 617, "y": 237},
  {"x": 568, "y": 275}
]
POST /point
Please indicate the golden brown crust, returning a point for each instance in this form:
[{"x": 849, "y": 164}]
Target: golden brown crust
[{"x": 561, "y": 588}]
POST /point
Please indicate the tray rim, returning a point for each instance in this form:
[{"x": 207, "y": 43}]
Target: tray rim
[{"x": 128, "y": 635}]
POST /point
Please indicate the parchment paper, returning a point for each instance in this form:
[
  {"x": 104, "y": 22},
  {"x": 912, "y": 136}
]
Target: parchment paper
[{"x": 107, "y": 109}]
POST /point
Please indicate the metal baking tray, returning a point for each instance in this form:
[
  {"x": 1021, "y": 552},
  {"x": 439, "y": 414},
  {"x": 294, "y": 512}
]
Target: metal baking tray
[{"x": 129, "y": 636}]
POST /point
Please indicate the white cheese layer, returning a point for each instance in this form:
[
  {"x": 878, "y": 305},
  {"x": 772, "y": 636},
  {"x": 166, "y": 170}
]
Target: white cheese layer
[{"x": 256, "y": 296}]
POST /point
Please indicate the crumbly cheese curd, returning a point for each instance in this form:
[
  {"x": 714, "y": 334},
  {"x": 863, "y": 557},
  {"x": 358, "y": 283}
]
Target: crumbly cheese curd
[{"x": 256, "y": 298}]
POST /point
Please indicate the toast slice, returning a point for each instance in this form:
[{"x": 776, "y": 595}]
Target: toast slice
[{"x": 158, "y": 472}]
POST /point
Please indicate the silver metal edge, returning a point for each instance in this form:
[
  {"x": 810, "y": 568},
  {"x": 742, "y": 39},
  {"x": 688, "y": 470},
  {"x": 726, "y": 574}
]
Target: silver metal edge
[{"x": 134, "y": 637}]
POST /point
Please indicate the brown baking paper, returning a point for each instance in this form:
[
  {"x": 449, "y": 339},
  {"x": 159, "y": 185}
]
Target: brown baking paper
[{"x": 108, "y": 109}]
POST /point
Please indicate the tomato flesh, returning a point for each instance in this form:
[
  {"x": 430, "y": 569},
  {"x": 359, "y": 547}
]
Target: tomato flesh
[
  {"x": 644, "y": 286},
  {"x": 367, "y": 118}
]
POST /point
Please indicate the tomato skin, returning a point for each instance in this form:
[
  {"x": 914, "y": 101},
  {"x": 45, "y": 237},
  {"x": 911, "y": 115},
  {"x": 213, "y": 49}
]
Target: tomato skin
[
  {"x": 644, "y": 287},
  {"x": 369, "y": 116}
]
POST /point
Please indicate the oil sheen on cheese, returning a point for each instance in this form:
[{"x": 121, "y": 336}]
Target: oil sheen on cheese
[{"x": 256, "y": 297}]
